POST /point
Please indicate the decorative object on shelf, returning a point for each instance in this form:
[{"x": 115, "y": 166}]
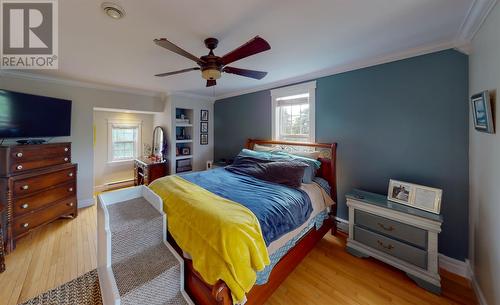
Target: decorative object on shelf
[
  {"x": 415, "y": 195},
  {"x": 481, "y": 109},
  {"x": 185, "y": 151},
  {"x": 204, "y": 127},
  {"x": 204, "y": 115},
  {"x": 401, "y": 236},
  {"x": 204, "y": 139},
  {"x": 148, "y": 151}
]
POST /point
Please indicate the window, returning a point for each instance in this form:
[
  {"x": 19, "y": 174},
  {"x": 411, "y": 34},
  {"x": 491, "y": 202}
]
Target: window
[
  {"x": 293, "y": 113},
  {"x": 123, "y": 140}
]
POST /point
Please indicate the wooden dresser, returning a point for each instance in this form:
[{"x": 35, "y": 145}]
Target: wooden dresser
[
  {"x": 147, "y": 170},
  {"x": 37, "y": 186},
  {"x": 401, "y": 236}
]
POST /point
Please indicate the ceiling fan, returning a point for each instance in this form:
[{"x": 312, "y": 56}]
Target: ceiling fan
[{"x": 212, "y": 66}]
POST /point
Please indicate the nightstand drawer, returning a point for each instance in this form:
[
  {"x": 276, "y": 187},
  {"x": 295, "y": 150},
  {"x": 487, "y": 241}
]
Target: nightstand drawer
[
  {"x": 398, "y": 230},
  {"x": 412, "y": 255}
]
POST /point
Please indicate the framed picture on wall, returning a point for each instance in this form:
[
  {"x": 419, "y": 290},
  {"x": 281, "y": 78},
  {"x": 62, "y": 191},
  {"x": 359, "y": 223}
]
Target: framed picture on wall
[
  {"x": 204, "y": 115},
  {"x": 482, "y": 112},
  {"x": 204, "y": 127},
  {"x": 204, "y": 139}
]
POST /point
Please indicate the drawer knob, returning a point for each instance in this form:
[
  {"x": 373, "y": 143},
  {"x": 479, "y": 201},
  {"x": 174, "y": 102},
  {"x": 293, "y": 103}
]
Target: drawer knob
[
  {"x": 66, "y": 149},
  {"x": 25, "y": 187},
  {"x": 25, "y": 206},
  {"x": 19, "y": 167},
  {"x": 19, "y": 154},
  {"x": 70, "y": 189},
  {"x": 25, "y": 225},
  {"x": 391, "y": 228},
  {"x": 388, "y": 247},
  {"x": 70, "y": 204},
  {"x": 65, "y": 159},
  {"x": 70, "y": 175}
]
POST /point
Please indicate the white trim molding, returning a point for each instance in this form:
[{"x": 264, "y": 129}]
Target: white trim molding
[
  {"x": 475, "y": 285},
  {"x": 473, "y": 21},
  {"x": 454, "y": 266}
]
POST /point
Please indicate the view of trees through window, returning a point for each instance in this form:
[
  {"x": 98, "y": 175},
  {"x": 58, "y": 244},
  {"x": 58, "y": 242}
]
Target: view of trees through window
[
  {"x": 124, "y": 142},
  {"x": 294, "y": 119}
]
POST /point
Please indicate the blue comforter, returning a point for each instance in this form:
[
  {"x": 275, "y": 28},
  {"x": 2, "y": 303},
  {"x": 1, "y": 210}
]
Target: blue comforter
[{"x": 279, "y": 209}]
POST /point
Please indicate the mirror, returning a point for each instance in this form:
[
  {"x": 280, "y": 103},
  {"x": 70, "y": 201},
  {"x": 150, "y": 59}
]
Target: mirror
[{"x": 159, "y": 147}]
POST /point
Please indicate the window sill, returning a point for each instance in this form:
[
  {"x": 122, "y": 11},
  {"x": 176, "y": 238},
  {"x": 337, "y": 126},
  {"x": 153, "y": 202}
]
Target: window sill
[{"x": 121, "y": 162}]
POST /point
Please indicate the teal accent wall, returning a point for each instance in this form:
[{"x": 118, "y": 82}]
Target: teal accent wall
[{"x": 406, "y": 120}]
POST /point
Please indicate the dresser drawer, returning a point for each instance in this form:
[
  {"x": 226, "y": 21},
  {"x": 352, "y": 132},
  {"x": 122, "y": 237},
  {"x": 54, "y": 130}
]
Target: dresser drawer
[
  {"x": 407, "y": 253},
  {"x": 27, "y": 222},
  {"x": 398, "y": 230},
  {"x": 28, "y": 152},
  {"x": 30, "y": 185},
  {"x": 39, "y": 200},
  {"x": 20, "y": 166}
]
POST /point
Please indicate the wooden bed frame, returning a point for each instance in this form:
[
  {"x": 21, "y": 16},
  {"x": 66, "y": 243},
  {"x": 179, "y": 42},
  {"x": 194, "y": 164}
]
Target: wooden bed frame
[{"x": 219, "y": 294}]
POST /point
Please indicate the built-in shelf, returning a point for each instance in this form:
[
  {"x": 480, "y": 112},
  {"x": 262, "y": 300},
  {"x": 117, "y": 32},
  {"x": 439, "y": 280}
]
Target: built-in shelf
[
  {"x": 184, "y": 141},
  {"x": 183, "y": 157},
  {"x": 183, "y": 125}
]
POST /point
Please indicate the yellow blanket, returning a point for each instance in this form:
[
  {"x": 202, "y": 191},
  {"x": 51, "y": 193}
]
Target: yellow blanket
[{"x": 223, "y": 237}]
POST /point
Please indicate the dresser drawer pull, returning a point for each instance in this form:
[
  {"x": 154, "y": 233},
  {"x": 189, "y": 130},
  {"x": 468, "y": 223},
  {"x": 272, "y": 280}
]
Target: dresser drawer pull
[
  {"x": 19, "y": 167},
  {"x": 70, "y": 175},
  {"x": 25, "y": 225},
  {"x": 19, "y": 154},
  {"x": 66, "y": 159},
  {"x": 391, "y": 228},
  {"x": 25, "y": 206},
  {"x": 70, "y": 204},
  {"x": 25, "y": 187},
  {"x": 66, "y": 149},
  {"x": 388, "y": 247},
  {"x": 70, "y": 189}
]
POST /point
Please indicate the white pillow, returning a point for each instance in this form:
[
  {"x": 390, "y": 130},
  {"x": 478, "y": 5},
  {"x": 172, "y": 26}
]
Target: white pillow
[
  {"x": 307, "y": 154},
  {"x": 258, "y": 147}
]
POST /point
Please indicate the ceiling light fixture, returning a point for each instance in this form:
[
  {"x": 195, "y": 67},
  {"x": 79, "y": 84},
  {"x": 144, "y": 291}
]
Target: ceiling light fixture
[{"x": 113, "y": 10}]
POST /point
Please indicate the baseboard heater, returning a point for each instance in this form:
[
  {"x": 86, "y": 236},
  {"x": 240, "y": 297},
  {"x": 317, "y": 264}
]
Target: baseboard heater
[{"x": 115, "y": 185}]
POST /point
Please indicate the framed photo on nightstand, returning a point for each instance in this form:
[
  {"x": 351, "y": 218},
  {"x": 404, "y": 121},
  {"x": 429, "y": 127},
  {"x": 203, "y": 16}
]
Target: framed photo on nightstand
[{"x": 416, "y": 196}]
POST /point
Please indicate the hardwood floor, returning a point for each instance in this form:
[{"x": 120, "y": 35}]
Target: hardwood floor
[{"x": 328, "y": 275}]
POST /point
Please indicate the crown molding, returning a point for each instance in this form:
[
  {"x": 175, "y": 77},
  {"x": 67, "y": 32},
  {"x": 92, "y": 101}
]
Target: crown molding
[
  {"x": 473, "y": 21},
  {"x": 191, "y": 96},
  {"x": 77, "y": 83},
  {"x": 436, "y": 47}
]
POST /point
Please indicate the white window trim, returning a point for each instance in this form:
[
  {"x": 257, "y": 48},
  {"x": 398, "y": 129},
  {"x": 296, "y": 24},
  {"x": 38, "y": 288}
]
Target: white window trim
[
  {"x": 294, "y": 90},
  {"x": 124, "y": 123}
]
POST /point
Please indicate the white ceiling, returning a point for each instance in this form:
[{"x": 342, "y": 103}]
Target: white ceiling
[{"x": 305, "y": 37}]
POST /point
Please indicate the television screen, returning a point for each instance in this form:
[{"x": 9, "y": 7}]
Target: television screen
[{"x": 28, "y": 116}]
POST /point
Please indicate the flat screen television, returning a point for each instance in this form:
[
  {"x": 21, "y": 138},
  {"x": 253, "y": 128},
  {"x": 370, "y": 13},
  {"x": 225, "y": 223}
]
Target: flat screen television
[{"x": 30, "y": 116}]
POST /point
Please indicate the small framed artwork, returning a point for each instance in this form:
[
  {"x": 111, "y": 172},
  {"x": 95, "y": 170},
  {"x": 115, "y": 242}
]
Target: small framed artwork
[
  {"x": 482, "y": 113},
  {"x": 399, "y": 191},
  {"x": 185, "y": 151},
  {"x": 204, "y": 139},
  {"x": 204, "y": 127},
  {"x": 204, "y": 115},
  {"x": 414, "y": 195}
]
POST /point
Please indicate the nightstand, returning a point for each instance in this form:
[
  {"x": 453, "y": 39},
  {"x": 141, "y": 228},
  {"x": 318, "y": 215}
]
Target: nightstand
[{"x": 399, "y": 235}]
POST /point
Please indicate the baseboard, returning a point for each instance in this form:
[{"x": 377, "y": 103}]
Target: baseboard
[
  {"x": 475, "y": 284},
  {"x": 84, "y": 203},
  {"x": 113, "y": 185},
  {"x": 342, "y": 225}
]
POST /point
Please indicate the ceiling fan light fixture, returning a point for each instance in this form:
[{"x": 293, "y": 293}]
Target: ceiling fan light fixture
[
  {"x": 113, "y": 10},
  {"x": 210, "y": 74}
]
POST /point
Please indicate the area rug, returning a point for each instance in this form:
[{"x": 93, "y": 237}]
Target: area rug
[{"x": 83, "y": 290}]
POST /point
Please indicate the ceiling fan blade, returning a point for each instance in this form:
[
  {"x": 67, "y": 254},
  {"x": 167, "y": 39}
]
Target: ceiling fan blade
[
  {"x": 254, "y": 46},
  {"x": 245, "y": 72},
  {"x": 211, "y": 82},
  {"x": 174, "y": 48},
  {"x": 177, "y": 72}
]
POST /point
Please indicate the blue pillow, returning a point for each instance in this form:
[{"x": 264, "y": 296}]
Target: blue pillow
[{"x": 309, "y": 172}]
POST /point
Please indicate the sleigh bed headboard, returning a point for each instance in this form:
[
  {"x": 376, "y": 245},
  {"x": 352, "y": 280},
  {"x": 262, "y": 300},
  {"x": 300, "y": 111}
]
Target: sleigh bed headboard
[{"x": 328, "y": 157}]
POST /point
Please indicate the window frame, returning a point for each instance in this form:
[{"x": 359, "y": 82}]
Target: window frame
[
  {"x": 124, "y": 124},
  {"x": 303, "y": 88}
]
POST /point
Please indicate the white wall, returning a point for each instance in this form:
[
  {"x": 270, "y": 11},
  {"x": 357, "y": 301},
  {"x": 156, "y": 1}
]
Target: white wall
[
  {"x": 105, "y": 172},
  {"x": 201, "y": 153},
  {"x": 484, "y": 156},
  {"x": 85, "y": 99}
]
